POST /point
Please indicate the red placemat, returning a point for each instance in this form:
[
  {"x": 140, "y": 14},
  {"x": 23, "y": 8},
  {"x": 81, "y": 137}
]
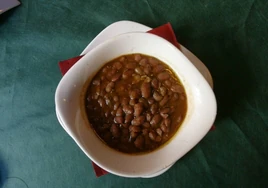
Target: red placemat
[{"x": 165, "y": 31}]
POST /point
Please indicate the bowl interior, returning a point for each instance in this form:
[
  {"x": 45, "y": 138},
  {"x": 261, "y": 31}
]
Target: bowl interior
[{"x": 200, "y": 100}]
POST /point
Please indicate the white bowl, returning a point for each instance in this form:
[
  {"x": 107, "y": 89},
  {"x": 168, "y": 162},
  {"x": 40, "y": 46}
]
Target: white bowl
[{"x": 200, "y": 115}]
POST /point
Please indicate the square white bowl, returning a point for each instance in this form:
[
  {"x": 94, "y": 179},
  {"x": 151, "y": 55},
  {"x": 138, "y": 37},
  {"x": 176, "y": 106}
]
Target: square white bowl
[{"x": 200, "y": 116}]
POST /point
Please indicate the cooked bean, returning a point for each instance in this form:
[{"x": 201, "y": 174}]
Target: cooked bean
[
  {"x": 119, "y": 112},
  {"x": 155, "y": 83},
  {"x": 101, "y": 102},
  {"x": 133, "y": 135},
  {"x": 158, "y": 68},
  {"x": 138, "y": 108},
  {"x": 138, "y": 120},
  {"x": 163, "y": 91},
  {"x": 139, "y": 142},
  {"x": 128, "y": 118},
  {"x": 109, "y": 87},
  {"x": 127, "y": 73},
  {"x": 117, "y": 65},
  {"x": 128, "y": 109},
  {"x": 106, "y": 114},
  {"x": 135, "y": 93},
  {"x": 145, "y": 132},
  {"x": 146, "y": 125},
  {"x": 108, "y": 102},
  {"x": 151, "y": 101},
  {"x": 115, "y": 77},
  {"x": 148, "y": 117},
  {"x": 144, "y": 102},
  {"x": 163, "y": 75},
  {"x": 118, "y": 119},
  {"x": 164, "y": 101},
  {"x": 131, "y": 65},
  {"x": 132, "y": 102},
  {"x": 139, "y": 71},
  {"x": 175, "y": 97},
  {"x": 122, "y": 59},
  {"x": 136, "y": 79},
  {"x": 143, "y": 62},
  {"x": 124, "y": 101},
  {"x": 168, "y": 83},
  {"x": 154, "y": 108},
  {"x": 137, "y": 57},
  {"x": 158, "y": 139},
  {"x": 115, "y": 130},
  {"x": 179, "y": 119},
  {"x": 177, "y": 88},
  {"x": 145, "y": 90},
  {"x": 164, "y": 112},
  {"x": 159, "y": 131},
  {"x": 110, "y": 73},
  {"x": 157, "y": 96},
  {"x": 134, "y": 128},
  {"x": 152, "y": 136},
  {"x": 153, "y": 61},
  {"x": 147, "y": 69},
  {"x": 163, "y": 127},
  {"x": 156, "y": 119},
  {"x": 96, "y": 82},
  {"x": 113, "y": 112},
  {"x": 115, "y": 98},
  {"x": 172, "y": 109},
  {"x": 167, "y": 122},
  {"x": 125, "y": 125}
]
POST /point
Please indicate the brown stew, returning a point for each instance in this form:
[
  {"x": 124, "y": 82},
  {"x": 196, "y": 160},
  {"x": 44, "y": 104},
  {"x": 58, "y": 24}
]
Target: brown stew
[{"x": 135, "y": 103}]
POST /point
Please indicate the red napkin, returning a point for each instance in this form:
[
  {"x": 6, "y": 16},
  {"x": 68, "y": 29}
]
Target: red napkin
[{"x": 165, "y": 31}]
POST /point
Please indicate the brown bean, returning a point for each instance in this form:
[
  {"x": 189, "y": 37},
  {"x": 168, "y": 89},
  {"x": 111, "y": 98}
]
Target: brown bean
[
  {"x": 153, "y": 61},
  {"x": 135, "y": 93},
  {"x": 115, "y": 77},
  {"x": 136, "y": 79},
  {"x": 117, "y": 65},
  {"x": 139, "y": 71},
  {"x": 147, "y": 69},
  {"x": 107, "y": 113},
  {"x": 137, "y": 57},
  {"x": 139, "y": 142},
  {"x": 96, "y": 82},
  {"x": 127, "y": 73},
  {"x": 164, "y": 112},
  {"x": 158, "y": 139},
  {"x": 128, "y": 109},
  {"x": 133, "y": 128},
  {"x": 151, "y": 101},
  {"x": 157, "y": 96},
  {"x": 168, "y": 83},
  {"x": 115, "y": 98},
  {"x": 145, "y": 90},
  {"x": 164, "y": 101},
  {"x": 128, "y": 118},
  {"x": 115, "y": 130},
  {"x": 159, "y": 131},
  {"x": 124, "y": 101},
  {"x": 148, "y": 117},
  {"x": 152, "y": 136},
  {"x": 125, "y": 125},
  {"x": 158, "y": 68},
  {"x": 132, "y": 102},
  {"x": 145, "y": 132},
  {"x": 154, "y": 108},
  {"x": 119, "y": 112},
  {"x": 122, "y": 59},
  {"x": 131, "y": 65},
  {"x": 163, "y": 76},
  {"x": 101, "y": 102},
  {"x": 163, "y": 127},
  {"x": 144, "y": 102},
  {"x": 177, "y": 88},
  {"x": 118, "y": 119},
  {"x": 167, "y": 122},
  {"x": 108, "y": 102},
  {"x": 138, "y": 108},
  {"x": 109, "y": 87},
  {"x": 172, "y": 109},
  {"x": 156, "y": 119},
  {"x": 113, "y": 112},
  {"x": 143, "y": 62},
  {"x": 110, "y": 73},
  {"x": 163, "y": 91},
  {"x": 138, "y": 120},
  {"x": 175, "y": 97},
  {"x": 146, "y": 125},
  {"x": 155, "y": 83},
  {"x": 105, "y": 69},
  {"x": 133, "y": 135}
]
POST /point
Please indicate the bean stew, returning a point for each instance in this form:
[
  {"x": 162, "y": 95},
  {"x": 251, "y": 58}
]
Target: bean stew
[{"x": 135, "y": 103}]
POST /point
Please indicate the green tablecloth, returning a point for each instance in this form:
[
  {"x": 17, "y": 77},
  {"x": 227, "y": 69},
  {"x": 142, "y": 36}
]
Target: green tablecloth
[{"x": 229, "y": 36}]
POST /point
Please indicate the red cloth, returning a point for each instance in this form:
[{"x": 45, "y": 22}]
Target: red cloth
[{"x": 165, "y": 31}]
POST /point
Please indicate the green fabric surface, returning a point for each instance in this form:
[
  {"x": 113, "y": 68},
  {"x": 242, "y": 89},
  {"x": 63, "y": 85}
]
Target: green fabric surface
[{"x": 229, "y": 36}]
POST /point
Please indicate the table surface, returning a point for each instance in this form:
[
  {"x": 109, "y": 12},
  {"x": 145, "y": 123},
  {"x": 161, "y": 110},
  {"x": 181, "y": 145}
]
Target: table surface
[{"x": 230, "y": 37}]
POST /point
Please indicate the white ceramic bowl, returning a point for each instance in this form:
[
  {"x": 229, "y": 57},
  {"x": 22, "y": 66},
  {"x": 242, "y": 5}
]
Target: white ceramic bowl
[{"x": 200, "y": 115}]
